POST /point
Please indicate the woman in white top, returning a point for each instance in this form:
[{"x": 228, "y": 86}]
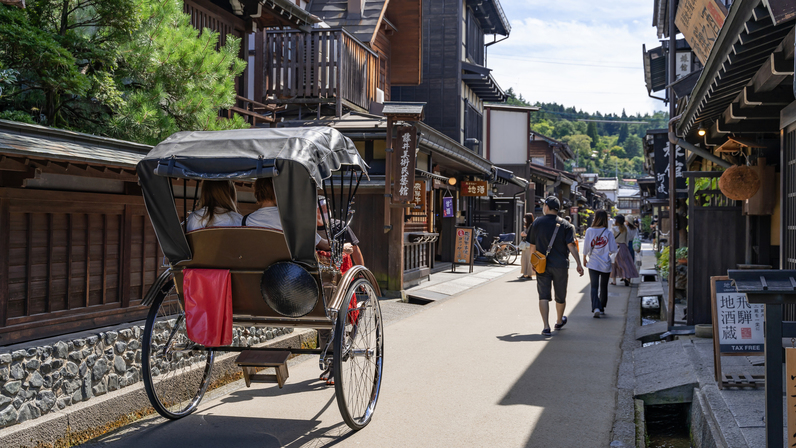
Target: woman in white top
[
  {"x": 218, "y": 206},
  {"x": 598, "y": 246},
  {"x": 624, "y": 266}
]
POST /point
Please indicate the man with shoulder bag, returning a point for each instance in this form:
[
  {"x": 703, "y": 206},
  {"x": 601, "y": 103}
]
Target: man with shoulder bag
[{"x": 551, "y": 241}]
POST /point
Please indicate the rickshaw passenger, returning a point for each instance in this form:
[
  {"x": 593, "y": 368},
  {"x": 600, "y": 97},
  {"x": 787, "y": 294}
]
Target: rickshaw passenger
[
  {"x": 218, "y": 206},
  {"x": 268, "y": 213}
]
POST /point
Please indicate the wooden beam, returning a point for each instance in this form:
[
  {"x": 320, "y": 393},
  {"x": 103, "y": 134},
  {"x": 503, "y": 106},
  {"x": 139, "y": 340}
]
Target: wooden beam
[
  {"x": 749, "y": 127},
  {"x": 781, "y": 96},
  {"x": 754, "y": 113},
  {"x": 5, "y": 241},
  {"x": 769, "y": 77},
  {"x": 13, "y": 164}
]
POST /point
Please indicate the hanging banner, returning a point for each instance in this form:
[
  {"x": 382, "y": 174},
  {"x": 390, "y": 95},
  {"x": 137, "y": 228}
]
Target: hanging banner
[
  {"x": 662, "y": 170},
  {"x": 447, "y": 207},
  {"x": 475, "y": 188},
  {"x": 403, "y": 171},
  {"x": 700, "y": 22}
]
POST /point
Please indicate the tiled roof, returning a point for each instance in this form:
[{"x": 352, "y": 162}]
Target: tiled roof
[{"x": 41, "y": 142}]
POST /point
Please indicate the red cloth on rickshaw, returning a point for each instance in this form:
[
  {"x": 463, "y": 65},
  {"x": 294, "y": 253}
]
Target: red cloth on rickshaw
[
  {"x": 347, "y": 264},
  {"x": 208, "y": 306}
]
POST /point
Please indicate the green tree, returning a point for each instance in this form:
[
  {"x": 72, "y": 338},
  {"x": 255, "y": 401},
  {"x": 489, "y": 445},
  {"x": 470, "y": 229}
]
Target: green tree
[
  {"x": 591, "y": 131},
  {"x": 563, "y": 128},
  {"x": 632, "y": 146},
  {"x": 618, "y": 151},
  {"x": 623, "y": 133},
  {"x": 580, "y": 145},
  {"x": 543, "y": 128},
  {"x": 177, "y": 78},
  {"x": 65, "y": 52}
]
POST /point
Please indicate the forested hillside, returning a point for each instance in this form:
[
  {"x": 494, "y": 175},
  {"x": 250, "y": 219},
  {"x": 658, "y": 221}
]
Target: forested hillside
[{"x": 604, "y": 148}]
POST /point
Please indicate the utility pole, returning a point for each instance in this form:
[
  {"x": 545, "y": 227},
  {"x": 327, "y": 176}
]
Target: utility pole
[{"x": 672, "y": 160}]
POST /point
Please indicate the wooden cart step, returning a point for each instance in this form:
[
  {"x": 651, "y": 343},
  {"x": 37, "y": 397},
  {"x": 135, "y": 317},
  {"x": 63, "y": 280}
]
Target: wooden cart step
[{"x": 252, "y": 360}]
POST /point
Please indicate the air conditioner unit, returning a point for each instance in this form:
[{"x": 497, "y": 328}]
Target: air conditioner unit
[{"x": 380, "y": 96}]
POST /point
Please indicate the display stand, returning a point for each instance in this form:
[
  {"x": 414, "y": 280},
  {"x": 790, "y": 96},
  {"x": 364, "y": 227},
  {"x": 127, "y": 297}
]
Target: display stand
[{"x": 463, "y": 247}]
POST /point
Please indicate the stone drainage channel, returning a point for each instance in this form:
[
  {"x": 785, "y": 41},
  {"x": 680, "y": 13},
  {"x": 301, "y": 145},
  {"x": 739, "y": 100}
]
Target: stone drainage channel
[{"x": 663, "y": 425}]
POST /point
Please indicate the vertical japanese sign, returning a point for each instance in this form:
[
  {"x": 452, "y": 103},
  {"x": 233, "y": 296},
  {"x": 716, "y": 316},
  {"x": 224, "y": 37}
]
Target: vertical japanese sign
[
  {"x": 700, "y": 22},
  {"x": 447, "y": 207},
  {"x": 419, "y": 194},
  {"x": 463, "y": 247},
  {"x": 790, "y": 393},
  {"x": 403, "y": 172},
  {"x": 474, "y": 188},
  {"x": 683, "y": 67},
  {"x": 662, "y": 170}
]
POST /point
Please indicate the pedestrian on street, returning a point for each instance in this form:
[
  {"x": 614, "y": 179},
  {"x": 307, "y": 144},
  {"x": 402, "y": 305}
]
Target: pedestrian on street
[
  {"x": 525, "y": 261},
  {"x": 598, "y": 247},
  {"x": 556, "y": 238},
  {"x": 624, "y": 266},
  {"x": 632, "y": 233}
]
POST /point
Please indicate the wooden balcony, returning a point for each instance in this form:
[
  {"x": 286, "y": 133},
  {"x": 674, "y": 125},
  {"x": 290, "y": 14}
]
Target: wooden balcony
[{"x": 323, "y": 66}]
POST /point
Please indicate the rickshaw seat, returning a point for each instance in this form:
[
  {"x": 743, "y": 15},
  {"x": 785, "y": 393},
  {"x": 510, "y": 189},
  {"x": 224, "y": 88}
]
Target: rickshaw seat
[
  {"x": 247, "y": 252},
  {"x": 239, "y": 248}
]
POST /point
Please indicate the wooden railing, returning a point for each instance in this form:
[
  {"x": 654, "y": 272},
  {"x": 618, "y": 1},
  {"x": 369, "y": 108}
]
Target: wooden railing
[{"x": 324, "y": 66}]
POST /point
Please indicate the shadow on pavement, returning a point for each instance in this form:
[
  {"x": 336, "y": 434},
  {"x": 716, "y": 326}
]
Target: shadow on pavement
[{"x": 572, "y": 379}]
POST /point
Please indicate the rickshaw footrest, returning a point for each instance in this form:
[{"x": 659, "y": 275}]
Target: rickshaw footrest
[{"x": 253, "y": 360}]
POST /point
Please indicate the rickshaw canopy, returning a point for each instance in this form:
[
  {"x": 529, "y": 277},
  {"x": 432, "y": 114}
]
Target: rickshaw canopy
[{"x": 298, "y": 160}]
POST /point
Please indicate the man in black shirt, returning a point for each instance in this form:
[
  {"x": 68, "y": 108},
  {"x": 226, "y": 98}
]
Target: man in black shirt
[{"x": 556, "y": 273}]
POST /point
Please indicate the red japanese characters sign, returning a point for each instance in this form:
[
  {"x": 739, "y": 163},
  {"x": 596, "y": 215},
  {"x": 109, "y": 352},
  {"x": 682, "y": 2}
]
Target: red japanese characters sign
[
  {"x": 419, "y": 194},
  {"x": 475, "y": 188},
  {"x": 403, "y": 167},
  {"x": 463, "y": 246}
]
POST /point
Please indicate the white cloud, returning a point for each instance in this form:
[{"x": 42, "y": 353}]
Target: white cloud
[{"x": 577, "y": 53}]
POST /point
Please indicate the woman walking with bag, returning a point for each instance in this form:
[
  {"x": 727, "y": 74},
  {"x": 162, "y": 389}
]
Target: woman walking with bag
[
  {"x": 527, "y": 267},
  {"x": 599, "y": 244},
  {"x": 624, "y": 267}
]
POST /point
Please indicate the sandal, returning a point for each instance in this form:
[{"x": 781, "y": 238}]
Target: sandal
[
  {"x": 561, "y": 325},
  {"x": 330, "y": 379},
  {"x": 326, "y": 374}
]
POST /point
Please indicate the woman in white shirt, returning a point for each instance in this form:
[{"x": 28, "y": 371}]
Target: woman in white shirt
[
  {"x": 598, "y": 246},
  {"x": 218, "y": 206}
]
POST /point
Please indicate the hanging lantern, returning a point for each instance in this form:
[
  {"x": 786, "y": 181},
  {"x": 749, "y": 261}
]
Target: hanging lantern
[{"x": 739, "y": 182}]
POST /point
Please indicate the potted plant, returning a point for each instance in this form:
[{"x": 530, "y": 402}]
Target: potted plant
[{"x": 682, "y": 255}]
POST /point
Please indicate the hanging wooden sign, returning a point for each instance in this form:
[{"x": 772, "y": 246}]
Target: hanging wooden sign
[
  {"x": 474, "y": 188},
  {"x": 403, "y": 170},
  {"x": 790, "y": 393},
  {"x": 463, "y": 247},
  {"x": 700, "y": 22},
  {"x": 419, "y": 194},
  {"x": 737, "y": 331}
]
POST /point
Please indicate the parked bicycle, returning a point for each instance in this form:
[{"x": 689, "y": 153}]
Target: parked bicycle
[{"x": 502, "y": 250}]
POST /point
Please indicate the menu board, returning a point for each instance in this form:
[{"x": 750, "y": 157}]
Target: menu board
[
  {"x": 738, "y": 325},
  {"x": 463, "y": 247}
]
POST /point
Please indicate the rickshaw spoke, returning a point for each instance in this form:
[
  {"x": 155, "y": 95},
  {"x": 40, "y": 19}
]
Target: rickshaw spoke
[{"x": 360, "y": 365}]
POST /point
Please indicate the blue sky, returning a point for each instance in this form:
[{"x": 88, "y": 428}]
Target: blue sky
[{"x": 577, "y": 53}]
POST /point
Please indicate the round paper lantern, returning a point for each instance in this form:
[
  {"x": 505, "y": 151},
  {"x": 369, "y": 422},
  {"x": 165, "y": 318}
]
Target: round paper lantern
[{"x": 739, "y": 182}]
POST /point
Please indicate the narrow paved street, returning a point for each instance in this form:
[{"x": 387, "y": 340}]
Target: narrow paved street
[{"x": 470, "y": 371}]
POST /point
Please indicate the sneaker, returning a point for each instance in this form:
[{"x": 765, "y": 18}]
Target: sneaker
[
  {"x": 602, "y": 313},
  {"x": 597, "y": 314}
]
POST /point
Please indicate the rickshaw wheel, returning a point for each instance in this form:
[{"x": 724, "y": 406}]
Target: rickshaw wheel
[
  {"x": 176, "y": 371},
  {"x": 358, "y": 354}
]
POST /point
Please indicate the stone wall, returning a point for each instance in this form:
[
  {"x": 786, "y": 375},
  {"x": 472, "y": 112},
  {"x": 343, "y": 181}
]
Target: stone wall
[{"x": 42, "y": 379}]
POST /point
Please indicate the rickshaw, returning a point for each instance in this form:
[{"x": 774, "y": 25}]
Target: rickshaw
[{"x": 277, "y": 278}]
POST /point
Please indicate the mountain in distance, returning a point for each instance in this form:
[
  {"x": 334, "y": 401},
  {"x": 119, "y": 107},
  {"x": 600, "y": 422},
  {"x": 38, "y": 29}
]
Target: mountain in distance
[{"x": 600, "y": 146}]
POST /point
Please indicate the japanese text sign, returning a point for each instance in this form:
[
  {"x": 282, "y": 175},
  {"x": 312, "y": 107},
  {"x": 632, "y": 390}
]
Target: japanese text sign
[
  {"x": 474, "y": 188},
  {"x": 739, "y": 324},
  {"x": 419, "y": 194},
  {"x": 447, "y": 207},
  {"x": 662, "y": 169},
  {"x": 790, "y": 393},
  {"x": 700, "y": 22},
  {"x": 403, "y": 168},
  {"x": 463, "y": 246}
]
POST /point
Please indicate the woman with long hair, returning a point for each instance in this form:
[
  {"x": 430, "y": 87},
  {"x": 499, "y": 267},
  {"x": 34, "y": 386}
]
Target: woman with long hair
[
  {"x": 218, "y": 206},
  {"x": 598, "y": 246},
  {"x": 527, "y": 268},
  {"x": 632, "y": 233},
  {"x": 624, "y": 266}
]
